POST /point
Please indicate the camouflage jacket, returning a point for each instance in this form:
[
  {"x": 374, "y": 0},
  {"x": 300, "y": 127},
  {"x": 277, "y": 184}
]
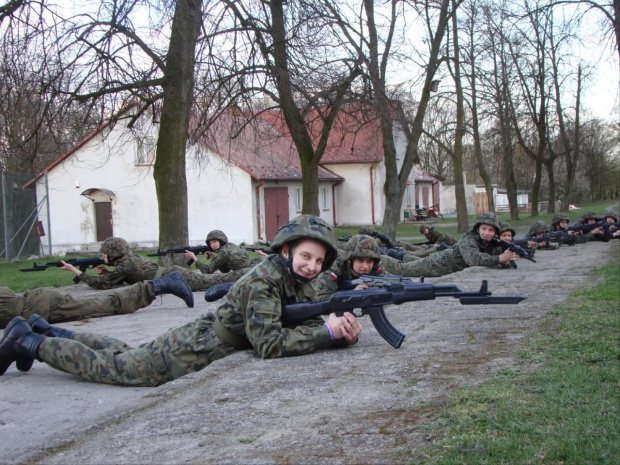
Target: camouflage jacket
[
  {"x": 470, "y": 251},
  {"x": 229, "y": 257},
  {"x": 437, "y": 237},
  {"x": 329, "y": 281},
  {"x": 130, "y": 269},
  {"x": 253, "y": 309}
]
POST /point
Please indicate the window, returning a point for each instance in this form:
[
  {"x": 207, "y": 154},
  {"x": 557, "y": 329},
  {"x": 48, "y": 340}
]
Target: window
[
  {"x": 325, "y": 198},
  {"x": 298, "y": 198},
  {"x": 147, "y": 148}
]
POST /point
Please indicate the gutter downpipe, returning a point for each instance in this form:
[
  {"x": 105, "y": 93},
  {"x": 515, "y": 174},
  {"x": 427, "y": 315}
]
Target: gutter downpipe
[
  {"x": 334, "y": 201},
  {"x": 372, "y": 193},
  {"x": 258, "y": 225}
]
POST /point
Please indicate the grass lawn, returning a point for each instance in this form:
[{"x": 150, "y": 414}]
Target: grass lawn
[{"x": 561, "y": 407}]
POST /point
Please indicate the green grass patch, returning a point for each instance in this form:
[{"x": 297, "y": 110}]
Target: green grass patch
[
  {"x": 410, "y": 231},
  {"x": 564, "y": 411}
]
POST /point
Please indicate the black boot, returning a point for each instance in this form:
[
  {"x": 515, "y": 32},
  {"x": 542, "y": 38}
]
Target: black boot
[
  {"x": 217, "y": 292},
  {"x": 19, "y": 344},
  {"x": 395, "y": 253},
  {"x": 174, "y": 284},
  {"x": 40, "y": 326}
]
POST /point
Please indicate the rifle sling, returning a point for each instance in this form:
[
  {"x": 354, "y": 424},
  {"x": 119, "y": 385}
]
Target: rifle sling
[{"x": 238, "y": 342}]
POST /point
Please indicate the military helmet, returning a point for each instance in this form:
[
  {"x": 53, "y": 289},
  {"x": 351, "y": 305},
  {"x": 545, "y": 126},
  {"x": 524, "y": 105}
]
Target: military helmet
[
  {"x": 612, "y": 215},
  {"x": 488, "y": 218},
  {"x": 589, "y": 215},
  {"x": 538, "y": 227},
  {"x": 503, "y": 227},
  {"x": 114, "y": 247},
  {"x": 423, "y": 227},
  {"x": 367, "y": 230},
  {"x": 361, "y": 246},
  {"x": 217, "y": 235},
  {"x": 558, "y": 217},
  {"x": 307, "y": 227}
]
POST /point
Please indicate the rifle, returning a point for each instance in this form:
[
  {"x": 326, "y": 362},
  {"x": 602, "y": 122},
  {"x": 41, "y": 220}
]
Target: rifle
[
  {"x": 528, "y": 255},
  {"x": 586, "y": 228},
  {"x": 254, "y": 249},
  {"x": 555, "y": 236},
  {"x": 345, "y": 238},
  {"x": 80, "y": 263},
  {"x": 423, "y": 243},
  {"x": 197, "y": 250},
  {"x": 372, "y": 301}
]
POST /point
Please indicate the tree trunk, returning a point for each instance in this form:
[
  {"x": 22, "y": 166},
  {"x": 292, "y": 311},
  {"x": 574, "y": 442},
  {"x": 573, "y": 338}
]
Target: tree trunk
[
  {"x": 169, "y": 168},
  {"x": 459, "y": 174}
]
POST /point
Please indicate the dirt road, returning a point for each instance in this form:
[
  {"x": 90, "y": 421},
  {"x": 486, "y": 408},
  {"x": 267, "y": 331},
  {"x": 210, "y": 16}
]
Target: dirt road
[{"x": 362, "y": 405}]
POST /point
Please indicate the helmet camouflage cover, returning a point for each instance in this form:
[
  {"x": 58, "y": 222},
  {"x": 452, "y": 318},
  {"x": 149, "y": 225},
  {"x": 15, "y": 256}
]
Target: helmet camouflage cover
[
  {"x": 114, "y": 247},
  {"x": 307, "y": 227},
  {"x": 361, "y": 246},
  {"x": 559, "y": 217},
  {"x": 423, "y": 227},
  {"x": 487, "y": 218},
  {"x": 217, "y": 234},
  {"x": 503, "y": 227},
  {"x": 367, "y": 230},
  {"x": 589, "y": 215},
  {"x": 538, "y": 227}
]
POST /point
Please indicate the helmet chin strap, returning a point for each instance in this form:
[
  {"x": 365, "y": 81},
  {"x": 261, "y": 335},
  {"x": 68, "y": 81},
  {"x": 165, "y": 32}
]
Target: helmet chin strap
[{"x": 289, "y": 264}]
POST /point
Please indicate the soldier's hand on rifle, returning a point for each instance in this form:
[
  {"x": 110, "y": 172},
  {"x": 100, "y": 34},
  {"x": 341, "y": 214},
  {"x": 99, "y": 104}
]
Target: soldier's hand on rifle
[
  {"x": 68, "y": 267},
  {"x": 345, "y": 327},
  {"x": 532, "y": 244},
  {"x": 507, "y": 257},
  {"x": 100, "y": 269},
  {"x": 209, "y": 255},
  {"x": 190, "y": 256},
  {"x": 261, "y": 253}
]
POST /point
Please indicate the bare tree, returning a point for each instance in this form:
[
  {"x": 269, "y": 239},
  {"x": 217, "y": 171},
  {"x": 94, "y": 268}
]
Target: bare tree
[
  {"x": 277, "y": 53},
  {"x": 101, "y": 60},
  {"x": 470, "y": 54}
]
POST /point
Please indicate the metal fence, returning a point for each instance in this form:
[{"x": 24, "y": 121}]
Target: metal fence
[{"x": 20, "y": 230}]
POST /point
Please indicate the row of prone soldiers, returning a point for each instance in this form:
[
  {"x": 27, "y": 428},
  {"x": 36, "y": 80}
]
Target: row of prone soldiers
[{"x": 305, "y": 265}]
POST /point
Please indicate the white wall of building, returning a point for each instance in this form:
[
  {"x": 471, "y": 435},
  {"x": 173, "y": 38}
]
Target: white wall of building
[
  {"x": 218, "y": 197},
  {"x": 447, "y": 194}
]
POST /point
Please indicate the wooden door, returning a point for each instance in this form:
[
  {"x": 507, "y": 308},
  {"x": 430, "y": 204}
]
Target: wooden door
[
  {"x": 103, "y": 220},
  {"x": 276, "y": 210}
]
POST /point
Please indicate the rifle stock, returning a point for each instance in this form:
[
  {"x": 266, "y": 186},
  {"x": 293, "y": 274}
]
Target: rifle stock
[
  {"x": 260, "y": 249},
  {"x": 372, "y": 301}
]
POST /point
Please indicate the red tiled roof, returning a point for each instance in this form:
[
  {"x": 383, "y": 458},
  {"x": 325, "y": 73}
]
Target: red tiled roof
[
  {"x": 355, "y": 136},
  {"x": 258, "y": 149}
]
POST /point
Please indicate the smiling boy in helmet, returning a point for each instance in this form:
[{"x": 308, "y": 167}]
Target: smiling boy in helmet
[
  {"x": 474, "y": 249},
  {"x": 225, "y": 256},
  {"x": 360, "y": 256},
  {"x": 250, "y": 316}
]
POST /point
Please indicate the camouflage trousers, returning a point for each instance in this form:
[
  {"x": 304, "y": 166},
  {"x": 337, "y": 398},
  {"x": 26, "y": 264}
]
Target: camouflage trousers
[
  {"x": 438, "y": 264},
  {"x": 101, "y": 359},
  {"x": 201, "y": 282},
  {"x": 56, "y": 306}
]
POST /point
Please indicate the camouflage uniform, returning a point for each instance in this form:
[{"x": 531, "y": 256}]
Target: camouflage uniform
[
  {"x": 538, "y": 227},
  {"x": 248, "y": 317},
  {"x": 229, "y": 257},
  {"x": 56, "y": 307},
  {"x": 131, "y": 268},
  {"x": 469, "y": 251},
  {"x": 436, "y": 237},
  {"x": 360, "y": 246}
]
